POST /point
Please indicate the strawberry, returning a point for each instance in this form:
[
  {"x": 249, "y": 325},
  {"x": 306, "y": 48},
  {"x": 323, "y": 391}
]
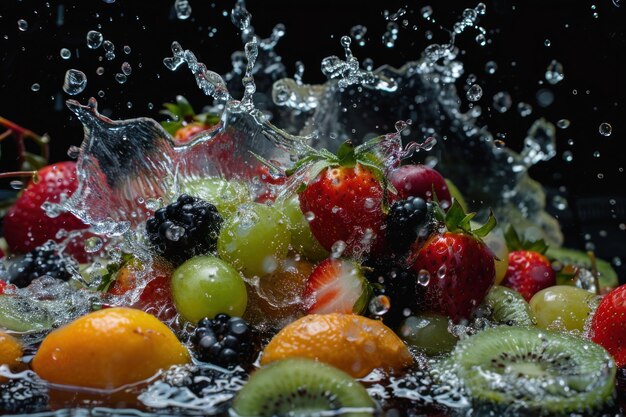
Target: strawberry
[
  {"x": 420, "y": 181},
  {"x": 26, "y": 226},
  {"x": 156, "y": 295},
  {"x": 529, "y": 271},
  {"x": 3, "y": 285},
  {"x": 346, "y": 196},
  {"x": 608, "y": 327},
  {"x": 185, "y": 123},
  {"x": 336, "y": 286},
  {"x": 454, "y": 268}
]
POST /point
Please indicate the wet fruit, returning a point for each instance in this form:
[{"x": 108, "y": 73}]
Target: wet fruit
[
  {"x": 10, "y": 350},
  {"x": 420, "y": 181},
  {"x": 507, "y": 306},
  {"x": 428, "y": 333},
  {"x": 608, "y": 327},
  {"x": 107, "y": 349},
  {"x": 352, "y": 343},
  {"x": 205, "y": 286},
  {"x": 408, "y": 219},
  {"x": 46, "y": 259},
  {"x": 535, "y": 371},
  {"x": 562, "y": 307},
  {"x": 255, "y": 239},
  {"x": 223, "y": 194},
  {"x": 301, "y": 387},
  {"x": 302, "y": 240}
]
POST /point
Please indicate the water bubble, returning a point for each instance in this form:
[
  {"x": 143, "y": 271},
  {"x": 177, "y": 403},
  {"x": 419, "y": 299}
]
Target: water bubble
[
  {"x": 502, "y": 101},
  {"x": 100, "y": 93},
  {"x": 617, "y": 3},
  {"x": 337, "y": 249},
  {"x": 22, "y": 25},
  {"x": 309, "y": 216},
  {"x": 423, "y": 277},
  {"x": 126, "y": 68},
  {"x": 394, "y": 16},
  {"x": 183, "y": 9},
  {"x": 559, "y": 202},
  {"x": 481, "y": 8},
  {"x": 75, "y": 82},
  {"x": 596, "y": 154},
  {"x": 544, "y": 97},
  {"x": 126, "y": 49},
  {"x": 94, "y": 39},
  {"x": 93, "y": 244},
  {"x": 358, "y": 33},
  {"x": 563, "y": 123},
  {"x": 153, "y": 204},
  {"x": 100, "y": 70},
  {"x": 547, "y": 42},
  {"x": 120, "y": 78},
  {"x": 481, "y": 39},
  {"x": 174, "y": 233},
  {"x": 35, "y": 87},
  {"x": 16, "y": 184},
  {"x": 391, "y": 35},
  {"x": 73, "y": 152},
  {"x": 426, "y": 12},
  {"x": 239, "y": 16},
  {"x": 524, "y": 109},
  {"x": 379, "y": 305},
  {"x": 65, "y": 53},
  {"x": 491, "y": 67},
  {"x": 109, "y": 1},
  {"x": 605, "y": 129},
  {"x": 474, "y": 93},
  {"x": 554, "y": 72},
  {"x": 441, "y": 272}
]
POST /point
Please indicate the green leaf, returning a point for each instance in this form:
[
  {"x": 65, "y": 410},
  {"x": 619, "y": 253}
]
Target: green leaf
[
  {"x": 171, "y": 126},
  {"x": 209, "y": 119},
  {"x": 299, "y": 164},
  {"x": 513, "y": 242},
  {"x": 172, "y": 110},
  {"x": 454, "y": 217},
  {"x": 318, "y": 167},
  {"x": 184, "y": 107},
  {"x": 487, "y": 227}
]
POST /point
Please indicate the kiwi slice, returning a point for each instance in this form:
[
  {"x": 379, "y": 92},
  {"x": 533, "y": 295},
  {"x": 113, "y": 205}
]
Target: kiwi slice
[
  {"x": 508, "y": 307},
  {"x": 570, "y": 259},
  {"x": 302, "y": 387},
  {"x": 20, "y": 315},
  {"x": 535, "y": 371}
]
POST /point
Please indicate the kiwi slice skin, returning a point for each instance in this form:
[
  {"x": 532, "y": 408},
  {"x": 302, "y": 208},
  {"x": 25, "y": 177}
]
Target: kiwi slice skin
[
  {"x": 607, "y": 275},
  {"x": 302, "y": 387},
  {"x": 508, "y": 307},
  {"x": 535, "y": 372}
]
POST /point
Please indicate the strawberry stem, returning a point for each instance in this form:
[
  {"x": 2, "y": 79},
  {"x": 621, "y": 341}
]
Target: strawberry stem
[
  {"x": 20, "y": 133},
  {"x": 17, "y": 174}
]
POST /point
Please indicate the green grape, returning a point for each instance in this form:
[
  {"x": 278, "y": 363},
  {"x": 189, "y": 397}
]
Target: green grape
[
  {"x": 302, "y": 239},
  {"x": 205, "y": 286},
  {"x": 562, "y": 307},
  {"x": 428, "y": 333},
  {"x": 254, "y": 239},
  {"x": 496, "y": 242},
  {"x": 224, "y": 195}
]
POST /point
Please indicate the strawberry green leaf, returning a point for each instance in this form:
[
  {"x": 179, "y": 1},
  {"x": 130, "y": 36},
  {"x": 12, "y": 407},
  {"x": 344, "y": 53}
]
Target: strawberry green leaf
[
  {"x": 514, "y": 242},
  {"x": 454, "y": 217},
  {"x": 487, "y": 227},
  {"x": 171, "y": 126},
  {"x": 184, "y": 106}
]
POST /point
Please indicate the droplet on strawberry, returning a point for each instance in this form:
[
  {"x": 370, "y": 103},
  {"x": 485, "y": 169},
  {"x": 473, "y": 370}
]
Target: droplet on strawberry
[
  {"x": 26, "y": 225},
  {"x": 337, "y": 286},
  {"x": 420, "y": 181},
  {"x": 608, "y": 327}
]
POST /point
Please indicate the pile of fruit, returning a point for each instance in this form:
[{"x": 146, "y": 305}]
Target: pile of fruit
[{"x": 366, "y": 273}]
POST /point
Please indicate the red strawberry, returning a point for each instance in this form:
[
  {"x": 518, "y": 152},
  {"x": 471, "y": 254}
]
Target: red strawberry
[
  {"x": 185, "y": 133},
  {"x": 336, "y": 286},
  {"x": 3, "y": 285},
  {"x": 26, "y": 225},
  {"x": 608, "y": 327},
  {"x": 529, "y": 271},
  {"x": 420, "y": 181},
  {"x": 156, "y": 295},
  {"x": 454, "y": 268},
  {"x": 185, "y": 123},
  {"x": 346, "y": 196}
]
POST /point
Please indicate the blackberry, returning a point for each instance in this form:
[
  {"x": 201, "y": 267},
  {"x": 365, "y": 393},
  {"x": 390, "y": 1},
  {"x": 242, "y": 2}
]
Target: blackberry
[
  {"x": 43, "y": 260},
  {"x": 225, "y": 341},
  {"x": 185, "y": 228},
  {"x": 20, "y": 396},
  {"x": 408, "y": 219}
]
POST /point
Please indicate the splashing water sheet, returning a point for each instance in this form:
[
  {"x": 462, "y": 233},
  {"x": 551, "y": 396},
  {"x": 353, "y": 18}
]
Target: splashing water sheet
[{"x": 433, "y": 105}]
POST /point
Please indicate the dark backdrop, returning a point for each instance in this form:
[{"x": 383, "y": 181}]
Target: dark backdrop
[{"x": 586, "y": 37}]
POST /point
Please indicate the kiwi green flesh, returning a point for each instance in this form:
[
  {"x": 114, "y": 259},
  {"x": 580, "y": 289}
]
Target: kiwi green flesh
[
  {"x": 508, "y": 307},
  {"x": 607, "y": 275},
  {"x": 535, "y": 370},
  {"x": 22, "y": 316},
  {"x": 294, "y": 387}
]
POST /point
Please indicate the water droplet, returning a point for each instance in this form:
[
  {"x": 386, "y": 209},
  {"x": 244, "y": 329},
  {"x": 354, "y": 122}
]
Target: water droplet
[
  {"x": 563, "y": 123},
  {"x": 423, "y": 277},
  {"x": 93, "y": 244},
  {"x": 120, "y": 78},
  {"x": 126, "y": 49},
  {"x": 426, "y": 12},
  {"x": 474, "y": 93},
  {"x": 441, "y": 272},
  {"x": 65, "y": 53},
  {"x": 605, "y": 129},
  {"x": 391, "y": 35},
  {"x": 481, "y": 40},
  {"x": 502, "y": 101},
  {"x": 379, "y": 305},
  {"x": 174, "y": 233},
  {"x": 35, "y": 87},
  {"x": 568, "y": 156},
  {"x": 547, "y": 42},
  {"x": 94, "y": 39},
  {"x": 73, "y": 152},
  {"x": 337, "y": 249},
  {"x": 554, "y": 72},
  {"x": 153, "y": 204},
  {"x": 358, "y": 34},
  {"x": 596, "y": 154},
  {"x": 75, "y": 82},
  {"x": 239, "y": 16},
  {"x": 559, "y": 202},
  {"x": 17, "y": 184},
  {"x": 183, "y": 9},
  {"x": 544, "y": 97},
  {"x": 100, "y": 70},
  {"x": 126, "y": 68},
  {"x": 100, "y": 93},
  {"x": 491, "y": 67},
  {"x": 524, "y": 109},
  {"x": 617, "y": 3},
  {"x": 22, "y": 25}
]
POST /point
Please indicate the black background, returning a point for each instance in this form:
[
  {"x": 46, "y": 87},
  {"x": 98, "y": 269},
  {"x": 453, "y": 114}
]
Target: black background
[{"x": 591, "y": 48}]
